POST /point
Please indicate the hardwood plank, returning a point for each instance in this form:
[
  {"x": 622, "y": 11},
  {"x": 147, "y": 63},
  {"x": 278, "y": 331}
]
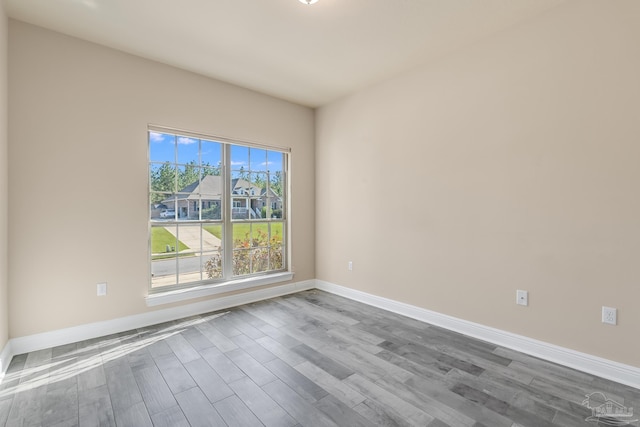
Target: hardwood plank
[
  {"x": 197, "y": 339},
  {"x": 236, "y": 413},
  {"x": 246, "y": 323},
  {"x": 255, "y": 350},
  {"x": 323, "y": 362},
  {"x": 296, "y": 406},
  {"x": 280, "y": 351},
  {"x": 61, "y": 402},
  {"x": 258, "y": 373},
  {"x": 156, "y": 394},
  {"x": 393, "y": 403},
  {"x": 208, "y": 380},
  {"x": 5, "y": 407},
  {"x": 223, "y": 343},
  {"x": 134, "y": 416},
  {"x": 170, "y": 417},
  {"x": 92, "y": 373},
  {"x": 174, "y": 373},
  {"x": 197, "y": 409},
  {"x": 223, "y": 366},
  {"x": 380, "y": 415},
  {"x": 123, "y": 388},
  {"x": 302, "y": 385},
  {"x": 280, "y": 336},
  {"x": 340, "y": 413},
  {"x": 95, "y": 407},
  {"x": 183, "y": 350},
  {"x": 331, "y": 384},
  {"x": 264, "y": 407}
]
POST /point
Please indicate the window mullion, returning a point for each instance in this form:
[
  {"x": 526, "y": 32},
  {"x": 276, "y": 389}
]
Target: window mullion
[{"x": 227, "y": 205}]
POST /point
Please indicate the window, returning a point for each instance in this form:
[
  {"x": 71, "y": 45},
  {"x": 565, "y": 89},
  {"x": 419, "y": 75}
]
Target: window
[{"x": 212, "y": 217}]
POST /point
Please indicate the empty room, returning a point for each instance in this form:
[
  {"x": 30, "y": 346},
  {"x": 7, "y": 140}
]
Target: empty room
[{"x": 319, "y": 213}]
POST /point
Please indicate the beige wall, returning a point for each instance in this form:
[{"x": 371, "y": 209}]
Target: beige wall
[
  {"x": 77, "y": 148},
  {"x": 4, "y": 177},
  {"x": 512, "y": 164}
]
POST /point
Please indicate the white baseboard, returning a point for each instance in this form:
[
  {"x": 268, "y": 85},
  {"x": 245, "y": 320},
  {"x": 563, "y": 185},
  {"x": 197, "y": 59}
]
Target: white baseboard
[
  {"x": 614, "y": 371},
  {"x": 99, "y": 329},
  {"x": 594, "y": 365}
]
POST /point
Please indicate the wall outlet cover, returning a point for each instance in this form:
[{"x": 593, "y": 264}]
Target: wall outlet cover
[
  {"x": 609, "y": 315},
  {"x": 522, "y": 297}
]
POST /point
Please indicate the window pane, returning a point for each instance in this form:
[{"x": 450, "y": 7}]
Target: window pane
[
  {"x": 162, "y": 177},
  {"x": 258, "y": 159},
  {"x": 210, "y": 156},
  {"x": 274, "y": 161},
  {"x": 276, "y": 257},
  {"x": 212, "y": 265},
  {"x": 239, "y": 158},
  {"x": 187, "y": 200},
  {"x": 210, "y": 207},
  {"x": 189, "y": 269},
  {"x": 259, "y": 260},
  {"x": 162, "y": 147},
  {"x": 188, "y": 178},
  {"x": 241, "y": 262},
  {"x": 162, "y": 206},
  {"x": 188, "y": 150},
  {"x": 276, "y": 183},
  {"x": 165, "y": 248}
]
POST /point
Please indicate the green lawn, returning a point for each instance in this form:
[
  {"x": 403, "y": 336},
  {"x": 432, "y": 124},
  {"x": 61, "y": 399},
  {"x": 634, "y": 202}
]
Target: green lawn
[
  {"x": 160, "y": 238},
  {"x": 241, "y": 229}
]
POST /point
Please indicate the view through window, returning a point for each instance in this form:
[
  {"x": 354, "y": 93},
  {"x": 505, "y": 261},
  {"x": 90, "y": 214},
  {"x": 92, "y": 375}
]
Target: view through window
[{"x": 217, "y": 209}]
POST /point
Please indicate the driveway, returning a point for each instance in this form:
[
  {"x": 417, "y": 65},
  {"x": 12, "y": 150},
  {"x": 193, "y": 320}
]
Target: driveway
[{"x": 190, "y": 236}]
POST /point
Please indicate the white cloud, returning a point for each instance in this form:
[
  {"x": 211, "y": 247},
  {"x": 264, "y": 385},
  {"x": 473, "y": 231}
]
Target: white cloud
[
  {"x": 187, "y": 141},
  {"x": 238, "y": 163},
  {"x": 156, "y": 137}
]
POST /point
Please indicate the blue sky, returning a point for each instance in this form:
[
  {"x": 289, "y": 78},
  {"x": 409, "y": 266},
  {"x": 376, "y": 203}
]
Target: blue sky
[{"x": 162, "y": 149}]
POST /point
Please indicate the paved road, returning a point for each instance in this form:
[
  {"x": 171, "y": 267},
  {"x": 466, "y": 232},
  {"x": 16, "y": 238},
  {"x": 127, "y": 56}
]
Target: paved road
[
  {"x": 190, "y": 236},
  {"x": 190, "y": 264}
]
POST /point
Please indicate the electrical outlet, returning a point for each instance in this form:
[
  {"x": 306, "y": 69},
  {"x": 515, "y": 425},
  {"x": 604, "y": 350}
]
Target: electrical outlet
[
  {"x": 350, "y": 266},
  {"x": 102, "y": 289},
  {"x": 522, "y": 297},
  {"x": 609, "y": 315}
]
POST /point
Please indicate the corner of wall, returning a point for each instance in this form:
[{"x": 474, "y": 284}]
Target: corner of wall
[{"x": 4, "y": 191}]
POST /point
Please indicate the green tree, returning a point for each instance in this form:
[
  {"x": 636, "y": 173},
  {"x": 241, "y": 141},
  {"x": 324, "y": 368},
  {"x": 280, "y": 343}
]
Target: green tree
[
  {"x": 188, "y": 175},
  {"x": 207, "y": 169},
  {"x": 276, "y": 183},
  {"x": 163, "y": 179},
  {"x": 242, "y": 174}
]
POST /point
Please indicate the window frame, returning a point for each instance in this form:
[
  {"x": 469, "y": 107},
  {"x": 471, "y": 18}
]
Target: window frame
[{"x": 176, "y": 291}]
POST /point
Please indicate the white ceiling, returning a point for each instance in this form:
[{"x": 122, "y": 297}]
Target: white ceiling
[{"x": 310, "y": 55}]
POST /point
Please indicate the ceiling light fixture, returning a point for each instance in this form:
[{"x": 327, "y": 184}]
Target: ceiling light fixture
[{"x": 308, "y": 1}]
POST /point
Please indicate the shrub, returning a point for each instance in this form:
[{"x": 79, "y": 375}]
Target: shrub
[
  {"x": 211, "y": 213},
  {"x": 249, "y": 256}
]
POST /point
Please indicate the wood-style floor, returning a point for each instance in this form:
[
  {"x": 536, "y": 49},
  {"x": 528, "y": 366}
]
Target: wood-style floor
[{"x": 309, "y": 359}]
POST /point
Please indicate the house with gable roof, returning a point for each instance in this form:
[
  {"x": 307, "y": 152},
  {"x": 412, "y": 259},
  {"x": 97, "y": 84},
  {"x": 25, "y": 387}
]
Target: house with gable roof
[{"x": 248, "y": 199}]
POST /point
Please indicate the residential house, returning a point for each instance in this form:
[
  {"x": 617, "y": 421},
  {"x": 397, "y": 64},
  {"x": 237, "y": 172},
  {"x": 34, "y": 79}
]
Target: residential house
[{"x": 248, "y": 199}]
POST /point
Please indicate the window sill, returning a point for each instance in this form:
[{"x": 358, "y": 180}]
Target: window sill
[{"x": 178, "y": 295}]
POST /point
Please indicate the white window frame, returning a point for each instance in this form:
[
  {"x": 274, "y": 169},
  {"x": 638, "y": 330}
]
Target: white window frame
[{"x": 228, "y": 282}]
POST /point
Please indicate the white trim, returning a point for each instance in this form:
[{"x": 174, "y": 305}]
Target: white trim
[
  {"x": 615, "y": 371},
  {"x": 5, "y": 359},
  {"x": 99, "y": 329},
  {"x": 178, "y": 295}
]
